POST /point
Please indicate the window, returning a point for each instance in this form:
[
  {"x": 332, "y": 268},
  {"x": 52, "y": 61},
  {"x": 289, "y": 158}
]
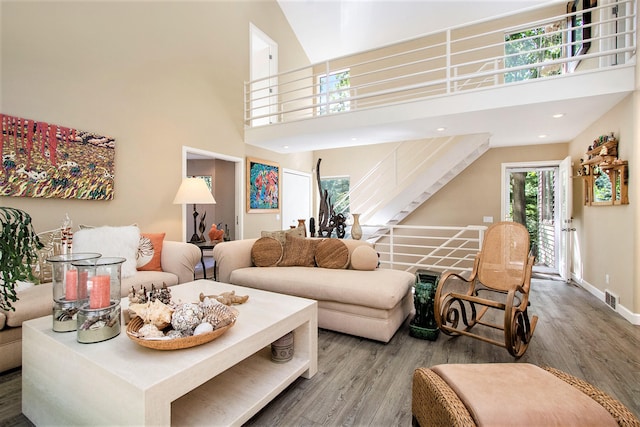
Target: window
[
  {"x": 533, "y": 47},
  {"x": 338, "y": 193},
  {"x": 336, "y": 86}
]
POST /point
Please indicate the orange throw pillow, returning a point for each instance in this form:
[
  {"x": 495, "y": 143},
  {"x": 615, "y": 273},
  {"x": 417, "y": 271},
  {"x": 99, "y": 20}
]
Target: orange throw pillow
[{"x": 149, "y": 254}]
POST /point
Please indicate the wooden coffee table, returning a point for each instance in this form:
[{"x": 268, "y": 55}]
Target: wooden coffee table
[{"x": 118, "y": 382}]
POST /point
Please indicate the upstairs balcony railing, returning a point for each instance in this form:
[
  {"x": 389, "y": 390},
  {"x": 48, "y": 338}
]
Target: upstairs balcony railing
[{"x": 470, "y": 58}]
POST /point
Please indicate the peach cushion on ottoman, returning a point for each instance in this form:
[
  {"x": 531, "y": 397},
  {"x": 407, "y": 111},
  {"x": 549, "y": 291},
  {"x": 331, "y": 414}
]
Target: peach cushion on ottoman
[{"x": 521, "y": 394}]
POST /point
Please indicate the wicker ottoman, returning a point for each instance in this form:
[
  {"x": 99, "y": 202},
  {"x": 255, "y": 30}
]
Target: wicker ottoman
[{"x": 510, "y": 394}]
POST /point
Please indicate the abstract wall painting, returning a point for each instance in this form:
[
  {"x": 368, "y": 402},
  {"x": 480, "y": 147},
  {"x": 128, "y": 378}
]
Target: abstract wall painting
[
  {"x": 40, "y": 159},
  {"x": 263, "y": 186}
]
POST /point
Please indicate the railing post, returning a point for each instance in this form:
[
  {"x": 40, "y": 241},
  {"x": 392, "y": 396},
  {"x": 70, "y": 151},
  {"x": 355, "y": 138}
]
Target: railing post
[
  {"x": 391, "y": 246},
  {"x": 448, "y": 59}
]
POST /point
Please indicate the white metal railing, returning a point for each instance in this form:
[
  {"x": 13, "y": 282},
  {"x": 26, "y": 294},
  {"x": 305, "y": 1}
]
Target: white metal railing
[
  {"x": 412, "y": 247},
  {"x": 441, "y": 63}
]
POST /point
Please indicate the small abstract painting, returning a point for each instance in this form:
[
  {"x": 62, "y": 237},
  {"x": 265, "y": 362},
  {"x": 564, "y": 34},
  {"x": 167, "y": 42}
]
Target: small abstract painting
[
  {"x": 45, "y": 160},
  {"x": 263, "y": 186}
]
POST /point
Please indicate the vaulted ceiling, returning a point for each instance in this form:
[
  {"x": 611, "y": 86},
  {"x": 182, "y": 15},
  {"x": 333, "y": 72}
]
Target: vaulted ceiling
[{"x": 332, "y": 28}]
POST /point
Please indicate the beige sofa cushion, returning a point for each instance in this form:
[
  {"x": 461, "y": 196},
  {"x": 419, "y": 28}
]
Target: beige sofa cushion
[
  {"x": 32, "y": 303},
  {"x": 382, "y": 288}
]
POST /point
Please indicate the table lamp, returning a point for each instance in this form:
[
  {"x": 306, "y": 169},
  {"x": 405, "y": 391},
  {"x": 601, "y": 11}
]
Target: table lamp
[{"x": 193, "y": 191}]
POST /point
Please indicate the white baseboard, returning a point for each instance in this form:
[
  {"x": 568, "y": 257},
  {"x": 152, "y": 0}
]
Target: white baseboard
[{"x": 633, "y": 318}]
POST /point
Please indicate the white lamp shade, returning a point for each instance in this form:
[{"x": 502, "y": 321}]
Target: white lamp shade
[{"x": 194, "y": 191}]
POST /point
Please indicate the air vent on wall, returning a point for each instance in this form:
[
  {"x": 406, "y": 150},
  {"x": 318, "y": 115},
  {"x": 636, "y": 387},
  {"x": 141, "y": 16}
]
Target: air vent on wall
[{"x": 611, "y": 299}]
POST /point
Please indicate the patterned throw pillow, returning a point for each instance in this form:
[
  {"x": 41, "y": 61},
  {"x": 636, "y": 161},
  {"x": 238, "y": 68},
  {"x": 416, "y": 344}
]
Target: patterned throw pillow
[
  {"x": 299, "y": 251},
  {"x": 149, "y": 255},
  {"x": 280, "y": 234},
  {"x": 266, "y": 252},
  {"x": 332, "y": 253}
]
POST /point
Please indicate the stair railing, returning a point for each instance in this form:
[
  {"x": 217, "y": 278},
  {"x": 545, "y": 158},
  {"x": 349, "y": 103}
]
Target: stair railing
[{"x": 437, "y": 248}]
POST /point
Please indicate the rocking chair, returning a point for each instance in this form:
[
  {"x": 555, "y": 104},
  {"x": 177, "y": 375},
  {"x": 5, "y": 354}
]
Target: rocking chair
[{"x": 499, "y": 282}]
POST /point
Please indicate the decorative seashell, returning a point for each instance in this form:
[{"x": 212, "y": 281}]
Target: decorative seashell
[
  {"x": 155, "y": 312},
  {"x": 203, "y": 328},
  {"x": 186, "y": 317},
  {"x": 217, "y": 314},
  {"x": 174, "y": 334},
  {"x": 150, "y": 331}
]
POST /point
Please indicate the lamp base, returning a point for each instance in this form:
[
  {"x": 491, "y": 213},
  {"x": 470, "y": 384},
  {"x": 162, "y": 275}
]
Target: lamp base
[{"x": 196, "y": 239}]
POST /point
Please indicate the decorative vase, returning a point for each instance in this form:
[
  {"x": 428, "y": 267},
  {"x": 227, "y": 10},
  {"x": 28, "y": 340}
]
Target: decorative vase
[
  {"x": 423, "y": 325},
  {"x": 356, "y": 230},
  {"x": 282, "y": 348},
  {"x": 301, "y": 223}
]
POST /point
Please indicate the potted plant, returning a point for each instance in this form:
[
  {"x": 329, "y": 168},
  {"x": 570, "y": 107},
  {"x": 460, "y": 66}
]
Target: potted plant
[{"x": 19, "y": 246}]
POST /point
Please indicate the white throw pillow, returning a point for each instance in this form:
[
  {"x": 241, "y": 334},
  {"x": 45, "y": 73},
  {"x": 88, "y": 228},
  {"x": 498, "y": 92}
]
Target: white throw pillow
[{"x": 110, "y": 242}]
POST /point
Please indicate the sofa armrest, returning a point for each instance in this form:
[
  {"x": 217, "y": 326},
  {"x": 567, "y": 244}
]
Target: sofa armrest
[
  {"x": 180, "y": 258},
  {"x": 230, "y": 256}
]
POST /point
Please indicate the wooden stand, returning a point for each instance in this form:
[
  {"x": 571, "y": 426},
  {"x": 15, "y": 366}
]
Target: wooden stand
[{"x": 604, "y": 159}]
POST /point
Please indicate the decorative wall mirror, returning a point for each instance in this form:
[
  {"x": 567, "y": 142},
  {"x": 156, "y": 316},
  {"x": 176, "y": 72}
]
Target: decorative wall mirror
[
  {"x": 605, "y": 176},
  {"x": 579, "y": 24}
]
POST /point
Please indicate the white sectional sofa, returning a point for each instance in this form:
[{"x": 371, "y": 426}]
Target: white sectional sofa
[{"x": 371, "y": 303}]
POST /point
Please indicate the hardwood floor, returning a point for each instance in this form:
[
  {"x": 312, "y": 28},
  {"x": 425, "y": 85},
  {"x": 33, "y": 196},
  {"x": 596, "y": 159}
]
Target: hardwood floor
[{"x": 366, "y": 383}]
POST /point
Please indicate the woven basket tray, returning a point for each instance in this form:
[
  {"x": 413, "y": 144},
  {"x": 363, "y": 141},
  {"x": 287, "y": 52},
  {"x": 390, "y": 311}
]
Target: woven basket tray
[{"x": 176, "y": 343}]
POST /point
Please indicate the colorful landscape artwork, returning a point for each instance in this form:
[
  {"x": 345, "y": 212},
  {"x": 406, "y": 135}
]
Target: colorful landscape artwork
[
  {"x": 45, "y": 160},
  {"x": 263, "y": 186}
]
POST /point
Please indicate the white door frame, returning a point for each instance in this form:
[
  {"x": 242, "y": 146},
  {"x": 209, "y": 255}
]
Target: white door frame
[
  {"x": 504, "y": 198},
  {"x": 239, "y": 186}
]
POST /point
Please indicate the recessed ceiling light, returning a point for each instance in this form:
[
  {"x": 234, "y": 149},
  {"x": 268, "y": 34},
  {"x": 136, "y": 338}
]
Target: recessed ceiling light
[
  {"x": 354, "y": 139},
  {"x": 542, "y": 136},
  {"x": 285, "y": 146},
  {"x": 441, "y": 129},
  {"x": 558, "y": 115}
]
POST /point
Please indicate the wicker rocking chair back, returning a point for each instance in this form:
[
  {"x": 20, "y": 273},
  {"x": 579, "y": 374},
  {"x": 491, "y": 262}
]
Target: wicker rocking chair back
[
  {"x": 504, "y": 256},
  {"x": 503, "y": 267}
]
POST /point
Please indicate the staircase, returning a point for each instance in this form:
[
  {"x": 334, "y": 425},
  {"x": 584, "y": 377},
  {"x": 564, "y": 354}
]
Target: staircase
[{"x": 411, "y": 174}]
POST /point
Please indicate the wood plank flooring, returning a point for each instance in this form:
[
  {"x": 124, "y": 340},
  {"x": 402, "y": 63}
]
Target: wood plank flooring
[{"x": 366, "y": 383}]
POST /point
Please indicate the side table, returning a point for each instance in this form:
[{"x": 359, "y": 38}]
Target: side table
[{"x": 208, "y": 245}]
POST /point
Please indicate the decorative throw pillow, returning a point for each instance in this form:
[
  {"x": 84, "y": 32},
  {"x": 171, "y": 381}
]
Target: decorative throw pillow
[
  {"x": 299, "y": 251},
  {"x": 149, "y": 255},
  {"x": 332, "y": 253},
  {"x": 110, "y": 242},
  {"x": 266, "y": 252},
  {"x": 364, "y": 258},
  {"x": 280, "y": 235}
]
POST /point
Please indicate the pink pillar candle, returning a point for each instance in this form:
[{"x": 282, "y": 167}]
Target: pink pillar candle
[
  {"x": 82, "y": 284},
  {"x": 100, "y": 292},
  {"x": 71, "y": 285}
]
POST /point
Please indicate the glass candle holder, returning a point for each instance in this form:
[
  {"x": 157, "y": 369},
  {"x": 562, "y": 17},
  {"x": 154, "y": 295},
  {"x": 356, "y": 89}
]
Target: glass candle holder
[
  {"x": 66, "y": 283},
  {"x": 99, "y": 310}
]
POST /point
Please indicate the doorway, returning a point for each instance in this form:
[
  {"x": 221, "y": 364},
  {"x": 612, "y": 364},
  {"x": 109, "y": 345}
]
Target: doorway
[
  {"x": 533, "y": 194},
  {"x": 226, "y": 190},
  {"x": 298, "y": 206},
  {"x": 263, "y": 74}
]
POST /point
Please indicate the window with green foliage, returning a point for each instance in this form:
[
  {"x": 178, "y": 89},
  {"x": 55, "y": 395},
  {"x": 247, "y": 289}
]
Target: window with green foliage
[
  {"x": 338, "y": 191},
  {"x": 334, "y": 92},
  {"x": 533, "y": 47}
]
